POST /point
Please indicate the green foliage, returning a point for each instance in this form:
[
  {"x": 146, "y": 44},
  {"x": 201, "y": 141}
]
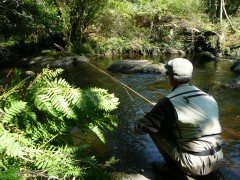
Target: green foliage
[
  {"x": 213, "y": 8},
  {"x": 29, "y": 18},
  {"x": 52, "y": 53},
  {"x": 84, "y": 48},
  {"x": 77, "y": 16},
  {"x": 45, "y": 14},
  {"x": 9, "y": 175},
  {"x": 117, "y": 20},
  {"x": 143, "y": 25},
  {"x": 185, "y": 7},
  {"x": 36, "y": 118},
  {"x": 92, "y": 27},
  {"x": 120, "y": 45},
  {"x": 29, "y": 21}
]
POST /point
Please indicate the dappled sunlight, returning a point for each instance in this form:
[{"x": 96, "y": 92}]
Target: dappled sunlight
[{"x": 135, "y": 153}]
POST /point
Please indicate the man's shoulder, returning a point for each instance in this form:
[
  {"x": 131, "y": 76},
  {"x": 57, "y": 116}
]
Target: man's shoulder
[
  {"x": 164, "y": 100},
  {"x": 164, "y": 103}
]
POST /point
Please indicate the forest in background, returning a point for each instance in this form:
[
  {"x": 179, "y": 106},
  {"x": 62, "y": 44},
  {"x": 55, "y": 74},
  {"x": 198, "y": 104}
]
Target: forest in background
[
  {"x": 101, "y": 27},
  {"x": 38, "y": 115}
]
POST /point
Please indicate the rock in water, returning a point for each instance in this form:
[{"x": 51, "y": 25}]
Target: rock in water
[{"x": 137, "y": 66}]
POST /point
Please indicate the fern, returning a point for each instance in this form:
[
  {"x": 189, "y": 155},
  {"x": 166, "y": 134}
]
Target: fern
[
  {"x": 35, "y": 125},
  {"x": 14, "y": 110},
  {"x": 11, "y": 143},
  {"x": 55, "y": 160},
  {"x": 96, "y": 129},
  {"x": 98, "y": 99},
  {"x": 56, "y": 97},
  {"x": 9, "y": 175},
  {"x": 14, "y": 89},
  {"x": 51, "y": 158},
  {"x": 105, "y": 101}
]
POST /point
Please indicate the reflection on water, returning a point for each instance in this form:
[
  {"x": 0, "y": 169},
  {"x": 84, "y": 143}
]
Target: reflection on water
[{"x": 136, "y": 152}]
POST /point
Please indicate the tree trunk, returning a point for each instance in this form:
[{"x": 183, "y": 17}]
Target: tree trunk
[
  {"x": 221, "y": 20},
  {"x": 224, "y": 9}
]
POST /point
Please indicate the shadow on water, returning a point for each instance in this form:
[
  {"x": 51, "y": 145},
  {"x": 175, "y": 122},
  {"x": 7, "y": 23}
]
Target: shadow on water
[{"x": 137, "y": 152}]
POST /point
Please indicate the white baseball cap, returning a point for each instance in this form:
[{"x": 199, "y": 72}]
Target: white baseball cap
[{"x": 179, "y": 67}]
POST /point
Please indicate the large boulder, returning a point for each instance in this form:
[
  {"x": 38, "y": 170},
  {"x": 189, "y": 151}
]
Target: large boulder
[
  {"x": 235, "y": 52},
  {"x": 137, "y": 66},
  {"x": 204, "y": 57},
  {"x": 56, "y": 62},
  {"x": 175, "y": 51},
  {"x": 236, "y": 67}
]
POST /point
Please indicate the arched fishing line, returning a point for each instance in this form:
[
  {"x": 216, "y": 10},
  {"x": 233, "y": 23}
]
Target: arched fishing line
[
  {"x": 113, "y": 78},
  {"x": 133, "y": 100}
]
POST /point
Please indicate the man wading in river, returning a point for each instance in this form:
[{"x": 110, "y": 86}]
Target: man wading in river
[{"x": 185, "y": 128}]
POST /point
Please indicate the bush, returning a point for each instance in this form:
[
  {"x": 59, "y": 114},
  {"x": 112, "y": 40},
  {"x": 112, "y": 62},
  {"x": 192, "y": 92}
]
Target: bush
[{"x": 110, "y": 45}]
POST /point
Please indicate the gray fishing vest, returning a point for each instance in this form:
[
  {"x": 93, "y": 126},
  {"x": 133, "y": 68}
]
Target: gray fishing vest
[{"x": 196, "y": 112}]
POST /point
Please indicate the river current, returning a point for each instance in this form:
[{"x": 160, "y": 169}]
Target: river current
[{"x": 137, "y": 152}]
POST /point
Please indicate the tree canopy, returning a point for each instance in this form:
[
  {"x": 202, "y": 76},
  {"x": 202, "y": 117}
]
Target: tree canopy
[{"x": 96, "y": 26}]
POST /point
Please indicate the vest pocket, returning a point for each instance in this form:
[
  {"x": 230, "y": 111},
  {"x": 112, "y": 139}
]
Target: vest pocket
[{"x": 189, "y": 132}]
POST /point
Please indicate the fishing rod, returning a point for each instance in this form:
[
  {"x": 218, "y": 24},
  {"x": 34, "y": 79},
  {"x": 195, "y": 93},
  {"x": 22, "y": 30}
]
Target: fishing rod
[{"x": 113, "y": 78}]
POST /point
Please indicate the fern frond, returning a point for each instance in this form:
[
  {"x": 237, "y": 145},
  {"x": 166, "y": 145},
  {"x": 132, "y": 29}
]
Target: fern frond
[
  {"x": 43, "y": 103},
  {"x": 55, "y": 160},
  {"x": 47, "y": 75},
  {"x": 40, "y": 134},
  {"x": 12, "y": 143},
  {"x": 14, "y": 110},
  {"x": 57, "y": 99},
  {"x": 40, "y": 144},
  {"x": 107, "y": 122},
  {"x": 58, "y": 82},
  {"x": 73, "y": 150},
  {"x": 100, "y": 99},
  {"x": 97, "y": 131},
  {"x": 51, "y": 74},
  {"x": 15, "y": 89},
  {"x": 74, "y": 95},
  {"x": 60, "y": 103},
  {"x": 30, "y": 114}
]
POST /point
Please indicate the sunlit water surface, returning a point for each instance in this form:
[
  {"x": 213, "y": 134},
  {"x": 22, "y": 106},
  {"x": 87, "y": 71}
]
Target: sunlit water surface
[{"x": 137, "y": 152}]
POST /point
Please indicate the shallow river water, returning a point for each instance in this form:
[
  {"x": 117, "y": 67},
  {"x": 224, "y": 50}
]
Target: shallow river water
[{"x": 137, "y": 152}]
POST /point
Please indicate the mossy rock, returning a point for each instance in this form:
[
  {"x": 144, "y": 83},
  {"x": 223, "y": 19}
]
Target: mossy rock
[
  {"x": 137, "y": 66},
  {"x": 204, "y": 57},
  {"x": 56, "y": 62},
  {"x": 236, "y": 67}
]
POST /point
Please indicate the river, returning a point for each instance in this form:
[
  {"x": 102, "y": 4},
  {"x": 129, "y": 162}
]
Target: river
[{"x": 137, "y": 152}]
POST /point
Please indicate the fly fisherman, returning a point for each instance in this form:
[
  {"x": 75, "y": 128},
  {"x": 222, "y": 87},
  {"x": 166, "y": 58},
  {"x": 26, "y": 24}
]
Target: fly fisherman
[{"x": 185, "y": 128}]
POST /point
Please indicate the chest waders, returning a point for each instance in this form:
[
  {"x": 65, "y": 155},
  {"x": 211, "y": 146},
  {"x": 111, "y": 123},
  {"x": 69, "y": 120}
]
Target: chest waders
[{"x": 197, "y": 118}]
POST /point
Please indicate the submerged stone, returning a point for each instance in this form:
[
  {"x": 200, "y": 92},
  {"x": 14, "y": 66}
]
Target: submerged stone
[{"x": 235, "y": 83}]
